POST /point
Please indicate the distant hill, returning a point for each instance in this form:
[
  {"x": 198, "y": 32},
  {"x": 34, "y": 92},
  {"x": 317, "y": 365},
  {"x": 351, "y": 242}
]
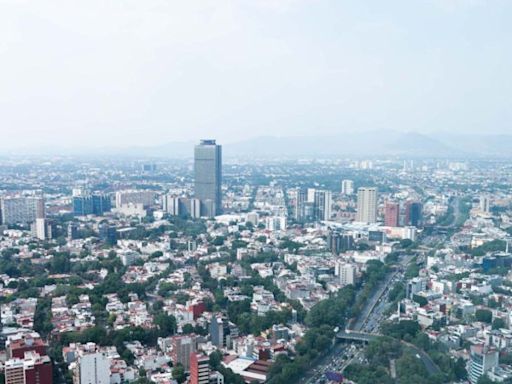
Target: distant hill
[{"x": 363, "y": 144}]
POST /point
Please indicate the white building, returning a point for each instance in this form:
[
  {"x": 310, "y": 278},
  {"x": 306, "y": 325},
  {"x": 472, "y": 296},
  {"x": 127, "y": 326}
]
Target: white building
[
  {"x": 92, "y": 368},
  {"x": 366, "y": 205},
  {"x": 41, "y": 229},
  {"x": 146, "y": 198},
  {"x": 483, "y": 359},
  {"x": 346, "y": 273},
  {"x": 347, "y": 187},
  {"x": 275, "y": 223}
]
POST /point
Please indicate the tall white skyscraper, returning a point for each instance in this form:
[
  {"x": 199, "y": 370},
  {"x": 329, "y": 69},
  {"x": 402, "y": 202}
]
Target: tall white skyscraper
[
  {"x": 366, "y": 205},
  {"x": 347, "y": 187}
]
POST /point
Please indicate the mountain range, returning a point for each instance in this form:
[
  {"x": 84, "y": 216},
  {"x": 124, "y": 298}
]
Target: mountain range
[{"x": 362, "y": 144}]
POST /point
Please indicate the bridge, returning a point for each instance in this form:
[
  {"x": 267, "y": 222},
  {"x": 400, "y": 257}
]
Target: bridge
[{"x": 363, "y": 337}]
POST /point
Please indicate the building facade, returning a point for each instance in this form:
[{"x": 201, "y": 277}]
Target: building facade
[
  {"x": 208, "y": 177},
  {"x": 366, "y": 205}
]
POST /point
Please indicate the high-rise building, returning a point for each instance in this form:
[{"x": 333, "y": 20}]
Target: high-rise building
[
  {"x": 482, "y": 359},
  {"x": 146, "y": 198},
  {"x": 92, "y": 368},
  {"x": 182, "y": 348},
  {"x": 21, "y": 210},
  {"x": 300, "y": 203},
  {"x": 96, "y": 204},
  {"x": 413, "y": 213},
  {"x": 366, "y": 205},
  {"x": 346, "y": 273},
  {"x": 338, "y": 242},
  {"x": 311, "y": 195},
  {"x": 171, "y": 204},
  {"x": 347, "y": 187},
  {"x": 181, "y": 206},
  {"x": 108, "y": 234},
  {"x": 42, "y": 229},
  {"x": 322, "y": 205},
  {"x": 391, "y": 214},
  {"x": 199, "y": 369},
  {"x": 73, "y": 232},
  {"x": 485, "y": 204},
  {"x": 208, "y": 177},
  {"x": 222, "y": 331}
]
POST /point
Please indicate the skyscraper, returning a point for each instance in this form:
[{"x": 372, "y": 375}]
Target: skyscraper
[
  {"x": 322, "y": 205},
  {"x": 347, "y": 187},
  {"x": 300, "y": 202},
  {"x": 391, "y": 214},
  {"x": 367, "y": 205},
  {"x": 413, "y": 213},
  {"x": 208, "y": 177}
]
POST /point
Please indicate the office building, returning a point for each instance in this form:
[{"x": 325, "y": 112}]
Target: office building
[
  {"x": 199, "y": 369},
  {"x": 391, "y": 214},
  {"x": 485, "y": 204},
  {"x": 108, "y": 234},
  {"x": 92, "y": 368},
  {"x": 222, "y": 332},
  {"x": 366, "y": 205},
  {"x": 181, "y": 206},
  {"x": 338, "y": 242},
  {"x": 322, "y": 205},
  {"x": 96, "y": 204},
  {"x": 73, "y": 231},
  {"x": 413, "y": 213},
  {"x": 300, "y": 203},
  {"x": 146, "y": 198},
  {"x": 414, "y": 286},
  {"x": 482, "y": 359},
  {"x": 182, "y": 348},
  {"x": 347, "y": 187},
  {"x": 208, "y": 177},
  {"x": 21, "y": 210}
]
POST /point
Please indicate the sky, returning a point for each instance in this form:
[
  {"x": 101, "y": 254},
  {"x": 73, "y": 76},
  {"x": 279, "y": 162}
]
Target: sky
[{"x": 99, "y": 73}]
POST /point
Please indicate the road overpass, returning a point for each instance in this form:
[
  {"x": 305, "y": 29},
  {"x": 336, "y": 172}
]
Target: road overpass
[{"x": 364, "y": 337}]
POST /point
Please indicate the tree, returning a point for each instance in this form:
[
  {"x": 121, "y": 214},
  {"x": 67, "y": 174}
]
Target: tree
[
  {"x": 498, "y": 323},
  {"x": 166, "y": 324},
  {"x": 178, "y": 373},
  {"x": 188, "y": 329},
  {"x": 483, "y": 315}
]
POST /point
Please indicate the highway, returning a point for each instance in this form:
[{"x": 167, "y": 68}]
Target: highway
[{"x": 368, "y": 320}]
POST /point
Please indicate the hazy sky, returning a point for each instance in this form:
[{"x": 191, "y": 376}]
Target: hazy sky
[{"x": 125, "y": 72}]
